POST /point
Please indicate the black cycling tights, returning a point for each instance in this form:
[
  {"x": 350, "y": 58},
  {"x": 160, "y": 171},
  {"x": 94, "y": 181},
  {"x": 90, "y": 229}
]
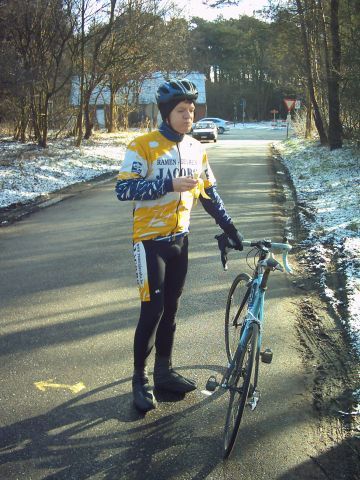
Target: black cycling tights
[{"x": 165, "y": 272}]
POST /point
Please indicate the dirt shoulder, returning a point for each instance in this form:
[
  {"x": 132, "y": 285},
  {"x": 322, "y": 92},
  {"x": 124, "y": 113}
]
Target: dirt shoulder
[
  {"x": 331, "y": 367},
  {"x": 332, "y": 372}
]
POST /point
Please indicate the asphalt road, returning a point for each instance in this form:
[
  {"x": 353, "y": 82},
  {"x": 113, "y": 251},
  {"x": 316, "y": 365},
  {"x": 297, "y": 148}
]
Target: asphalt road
[{"x": 69, "y": 305}]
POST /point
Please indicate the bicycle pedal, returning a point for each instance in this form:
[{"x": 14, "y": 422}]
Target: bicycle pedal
[
  {"x": 266, "y": 355},
  {"x": 212, "y": 384},
  {"x": 253, "y": 401}
]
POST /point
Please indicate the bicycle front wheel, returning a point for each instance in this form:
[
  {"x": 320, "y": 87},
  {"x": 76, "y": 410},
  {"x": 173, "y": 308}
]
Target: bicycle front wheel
[
  {"x": 236, "y": 307},
  {"x": 240, "y": 386}
]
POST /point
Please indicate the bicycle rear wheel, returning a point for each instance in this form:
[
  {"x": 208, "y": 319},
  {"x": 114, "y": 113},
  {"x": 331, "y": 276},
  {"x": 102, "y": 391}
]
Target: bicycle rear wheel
[
  {"x": 240, "y": 387},
  {"x": 236, "y": 307}
]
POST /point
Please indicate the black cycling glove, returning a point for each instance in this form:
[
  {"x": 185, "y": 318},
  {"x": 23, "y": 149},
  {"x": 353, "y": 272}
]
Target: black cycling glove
[{"x": 235, "y": 236}]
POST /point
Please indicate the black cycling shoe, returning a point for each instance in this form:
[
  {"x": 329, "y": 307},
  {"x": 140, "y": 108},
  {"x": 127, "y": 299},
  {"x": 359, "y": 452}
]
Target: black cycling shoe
[
  {"x": 165, "y": 377},
  {"x": 143, "y": 394}
]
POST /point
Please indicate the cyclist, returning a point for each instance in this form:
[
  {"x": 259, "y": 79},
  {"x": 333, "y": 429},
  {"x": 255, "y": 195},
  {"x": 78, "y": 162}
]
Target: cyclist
[{"x": 162, "y": 172}]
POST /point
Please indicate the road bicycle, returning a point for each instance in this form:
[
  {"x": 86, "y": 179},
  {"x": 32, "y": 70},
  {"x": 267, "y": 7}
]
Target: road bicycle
[{"x": 244, "y": 319}]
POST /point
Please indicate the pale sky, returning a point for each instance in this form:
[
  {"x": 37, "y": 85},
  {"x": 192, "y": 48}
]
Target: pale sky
[{"x": 195, "y": 8}]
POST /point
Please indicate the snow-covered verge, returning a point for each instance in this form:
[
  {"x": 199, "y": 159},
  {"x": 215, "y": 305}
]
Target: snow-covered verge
[
  {"x": 327, "y": 185},
  {"x": 26, "y": 171}
]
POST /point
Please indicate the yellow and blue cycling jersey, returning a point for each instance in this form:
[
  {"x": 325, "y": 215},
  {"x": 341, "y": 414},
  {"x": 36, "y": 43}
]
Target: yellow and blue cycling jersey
[{"x": 151, "y": 162}]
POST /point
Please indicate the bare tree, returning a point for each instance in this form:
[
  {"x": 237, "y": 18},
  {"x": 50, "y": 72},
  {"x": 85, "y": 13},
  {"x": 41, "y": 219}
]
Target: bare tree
[
  {"x": 40, "y": 32},
  {"x": 146, "y": 38},
  {"x": 308, "y": 68},
  {"x": 96, "y": 23},
  {"x": 131, "y": 50}
]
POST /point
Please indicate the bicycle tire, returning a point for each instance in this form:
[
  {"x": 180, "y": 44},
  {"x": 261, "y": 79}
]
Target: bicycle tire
[
  {"x": 239, "y": 291},
  {"x": 239, "y": 386}
]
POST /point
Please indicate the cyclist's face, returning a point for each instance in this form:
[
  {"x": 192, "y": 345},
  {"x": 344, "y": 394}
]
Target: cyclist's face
[{"x": 182, "y": 116}]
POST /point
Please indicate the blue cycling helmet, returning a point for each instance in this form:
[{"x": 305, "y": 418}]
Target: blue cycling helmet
[
  {"x": 176, "y": 90},
  {"x": 171, "y": 93}
]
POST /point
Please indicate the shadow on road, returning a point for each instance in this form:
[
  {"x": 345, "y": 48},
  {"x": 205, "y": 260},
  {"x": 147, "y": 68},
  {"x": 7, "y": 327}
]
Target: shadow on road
[
  {"x": 87, "y": 436},
  {"x": 101, "y": 435}
]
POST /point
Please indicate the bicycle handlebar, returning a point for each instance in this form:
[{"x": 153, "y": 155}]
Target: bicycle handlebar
[{"x": 226, "y": 244}]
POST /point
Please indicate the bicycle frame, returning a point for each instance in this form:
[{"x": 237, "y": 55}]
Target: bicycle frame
[{"x": 255, "y": 314}]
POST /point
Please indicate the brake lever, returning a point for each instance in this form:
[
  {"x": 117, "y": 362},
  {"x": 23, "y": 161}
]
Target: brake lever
[
  {"x": 224, "y": 260},
  {"x": 222, "y": 239}
]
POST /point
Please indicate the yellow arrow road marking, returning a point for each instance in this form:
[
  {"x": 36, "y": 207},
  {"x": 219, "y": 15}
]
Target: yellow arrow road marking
[{"x": 77, "y": 387}]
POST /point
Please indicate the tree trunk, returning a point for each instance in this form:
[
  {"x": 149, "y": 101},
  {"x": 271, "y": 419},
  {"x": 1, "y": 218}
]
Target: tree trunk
[
  {"x": 79, "y": 125},
  {"x": 20, "y": 132},
  {"x": 112, "y": 121},
  {"x": 316, "y": 111},
  {"x": 35, "y": 116},
  {"x": 82, "y": 77},
  {"x": 335, "y": 126},
  {"x": 88, "y": 124},
  {"x": 126, "y": 115},
  {"x": 44, "y": 124},
  {"x": 308, "y": 117}
]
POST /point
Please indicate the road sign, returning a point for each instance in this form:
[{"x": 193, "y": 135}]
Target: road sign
[
  {"x": 274, "y": 111},
  {"x": 290, "y": 103}
]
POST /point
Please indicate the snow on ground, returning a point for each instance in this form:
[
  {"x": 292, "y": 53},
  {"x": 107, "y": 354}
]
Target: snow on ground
[
  {"x": 27, "y": 171},
  {"x": 327, "y": 186}
]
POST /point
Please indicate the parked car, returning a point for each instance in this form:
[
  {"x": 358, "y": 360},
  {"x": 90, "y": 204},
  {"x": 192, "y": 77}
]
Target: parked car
[
  {"x": 205, "y": 131},
  {"x": 222, "y": 125}
]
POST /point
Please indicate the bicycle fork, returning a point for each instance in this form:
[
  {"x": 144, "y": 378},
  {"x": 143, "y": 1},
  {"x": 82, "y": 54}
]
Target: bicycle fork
[{"x": 226, "y": 382}]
